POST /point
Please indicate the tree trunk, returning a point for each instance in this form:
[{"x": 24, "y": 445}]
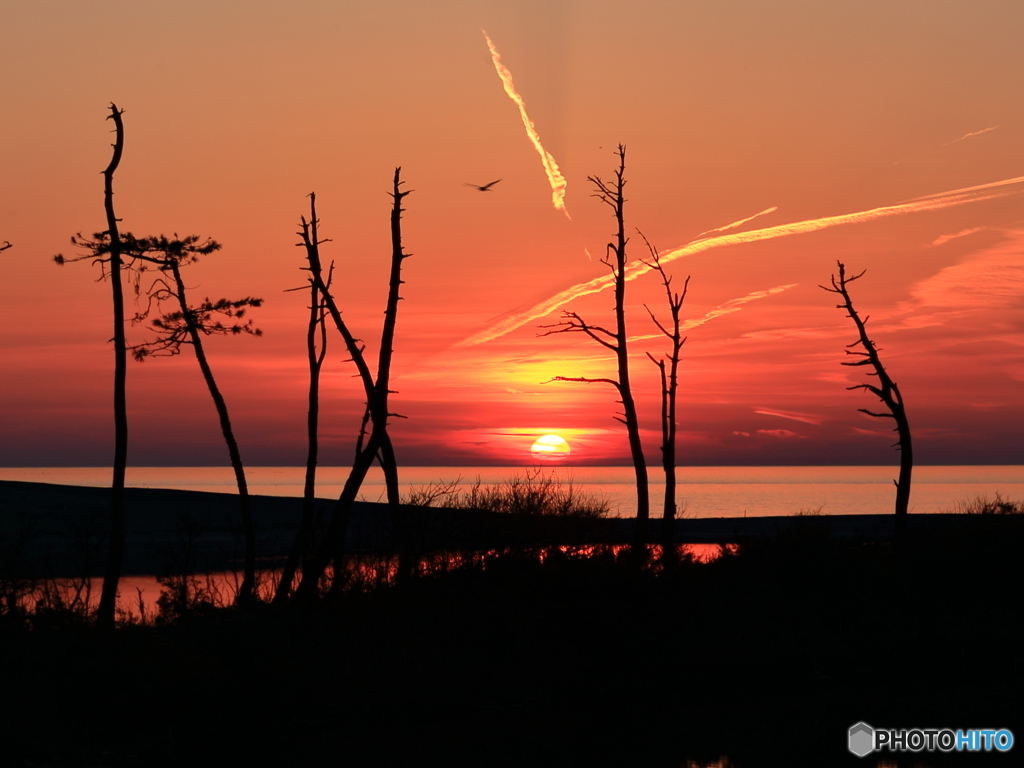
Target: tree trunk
[
  {"x": 247, "y": 590},
  {"x": 643, "y": 504},
  {"x": 315, "y": 357},
  {"x": 115, "y": 554},
  {"x": 378, "y": 445},
  {"x": 332, "y": 546},
  {"x": 887, "y": 391}
]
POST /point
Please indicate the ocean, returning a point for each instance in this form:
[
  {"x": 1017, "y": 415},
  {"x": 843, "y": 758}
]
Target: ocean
[{"x": 702, "y": 491}]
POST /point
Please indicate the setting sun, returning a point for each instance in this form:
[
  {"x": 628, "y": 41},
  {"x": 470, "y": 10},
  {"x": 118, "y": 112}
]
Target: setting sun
[{"x": 550, "y": 447}]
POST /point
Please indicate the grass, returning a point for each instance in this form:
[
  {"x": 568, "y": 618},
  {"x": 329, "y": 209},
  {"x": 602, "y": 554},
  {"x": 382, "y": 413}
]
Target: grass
[
  {"x": 531, "y": 493},
  {"x": 569, "y": 661},
  {"x": 983, "y": 505}
]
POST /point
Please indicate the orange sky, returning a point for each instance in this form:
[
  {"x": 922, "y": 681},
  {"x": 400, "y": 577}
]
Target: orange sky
[{"x": 235, "y": 111}]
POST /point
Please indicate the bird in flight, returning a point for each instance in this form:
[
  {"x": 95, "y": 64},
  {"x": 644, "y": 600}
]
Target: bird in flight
[{"x": 484, "y": 188}]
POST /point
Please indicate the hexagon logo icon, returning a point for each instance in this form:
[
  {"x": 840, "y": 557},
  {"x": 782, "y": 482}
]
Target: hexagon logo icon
[{"x": 861, "y": 739}]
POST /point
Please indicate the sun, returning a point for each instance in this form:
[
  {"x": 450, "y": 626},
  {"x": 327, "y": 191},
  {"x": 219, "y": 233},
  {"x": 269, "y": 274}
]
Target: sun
[{"x": 550, "y": 448}]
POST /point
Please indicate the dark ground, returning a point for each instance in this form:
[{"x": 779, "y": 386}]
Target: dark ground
[{"x": 767, "y": 656}]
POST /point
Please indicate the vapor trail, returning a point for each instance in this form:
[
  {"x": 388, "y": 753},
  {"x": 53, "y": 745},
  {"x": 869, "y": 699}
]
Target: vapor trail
[
  {"x": 1003, "y": 183},
  {"x": 637, "y": 268},
  {"x": 733, "y": 305},
  {"x": 969, "y": 135},
  {"x": 555, "y": 178},
  {"x": 738, "y": 223}
]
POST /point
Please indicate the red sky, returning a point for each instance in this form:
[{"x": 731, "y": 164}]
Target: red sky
[{"x": 235, "y": 111}]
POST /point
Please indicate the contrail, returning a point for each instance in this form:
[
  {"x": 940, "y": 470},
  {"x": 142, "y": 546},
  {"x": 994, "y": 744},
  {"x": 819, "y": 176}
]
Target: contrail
[
  {"x": 1003, "y": 183},
  {"x": 968, "y": 135},
  {"x": 806, "y": 418},
  {"x": 733, "y": 305},
  {"x": 739, "y": 223},
  {"x": 637, "y": 268},
  {"x": 555, "y": 178}
]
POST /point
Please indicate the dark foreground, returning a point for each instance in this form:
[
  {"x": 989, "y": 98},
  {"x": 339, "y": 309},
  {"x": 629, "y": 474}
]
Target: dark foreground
[{"x": 767, "y": 656}]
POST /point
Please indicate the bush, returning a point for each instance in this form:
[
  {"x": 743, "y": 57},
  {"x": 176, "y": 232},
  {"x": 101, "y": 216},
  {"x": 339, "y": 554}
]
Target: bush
[
  {"x": 982, "y": 505},
  {"x": 529, "y": 493}
]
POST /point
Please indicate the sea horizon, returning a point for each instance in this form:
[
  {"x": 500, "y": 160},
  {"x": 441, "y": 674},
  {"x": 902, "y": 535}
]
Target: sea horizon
[{"x": 714, "y": 491}]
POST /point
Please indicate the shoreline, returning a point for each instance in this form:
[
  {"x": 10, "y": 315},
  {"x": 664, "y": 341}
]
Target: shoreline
[{"x": 60, "y": 530}]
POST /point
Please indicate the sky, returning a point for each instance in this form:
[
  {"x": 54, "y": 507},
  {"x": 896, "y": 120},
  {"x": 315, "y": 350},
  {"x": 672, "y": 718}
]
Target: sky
[{"x": 888, "y": 136}]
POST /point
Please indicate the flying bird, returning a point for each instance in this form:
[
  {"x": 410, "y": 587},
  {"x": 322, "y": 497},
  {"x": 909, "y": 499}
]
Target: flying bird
[{"x": 484, "y": 188}]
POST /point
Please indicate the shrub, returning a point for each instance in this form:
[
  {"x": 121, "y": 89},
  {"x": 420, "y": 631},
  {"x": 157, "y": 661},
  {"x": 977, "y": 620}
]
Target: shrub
[
  {"x": 529, "y": 493},
  {"x": 982, "y": 505}
]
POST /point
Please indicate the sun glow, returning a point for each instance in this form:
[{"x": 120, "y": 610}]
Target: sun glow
[{"x": 550, "y": 448}]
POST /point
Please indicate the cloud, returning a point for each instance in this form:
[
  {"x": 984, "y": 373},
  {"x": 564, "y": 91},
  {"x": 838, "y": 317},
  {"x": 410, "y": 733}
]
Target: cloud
[
  {"x": 738, "y": 223},
  {"x": 781, "y": 433},
  {"x": 993, "y": 277},
  {"x": 806, "y": 418},
  {"x": 942, "y": 239},
  {"x": 638, "y": 268},
  {"x": 965, "y": 190},
  {"x": 969, "y": 135},
  {"x": 733, "y": 305}
]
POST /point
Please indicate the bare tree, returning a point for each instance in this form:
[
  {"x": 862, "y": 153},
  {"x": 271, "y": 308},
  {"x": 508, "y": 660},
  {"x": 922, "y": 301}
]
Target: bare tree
[
  {"x": 886, "y": 391},
  {"x": 316, "y": 352},
  {"x": 187, "y": 325},
  {"x": 668, "y": 367},
  {"x": 614, "y": 339},
  {"x": 375, "y": 444},
  {"x": 106, "y": 249}
]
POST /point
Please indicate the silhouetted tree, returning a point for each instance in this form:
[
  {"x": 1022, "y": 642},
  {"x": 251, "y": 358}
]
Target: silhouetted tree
[
  {"x": 316, "y": 352},
  {"x": 614, "y": 339},
  {"x": 886, "y": 391},
  {"x": 375, "y": 444},
  {"x": 105, "y": 249},
  {"x": 4, "y": 245},
  {"x": 187, "y": 325},
  {"x": 668, "y": 367}
]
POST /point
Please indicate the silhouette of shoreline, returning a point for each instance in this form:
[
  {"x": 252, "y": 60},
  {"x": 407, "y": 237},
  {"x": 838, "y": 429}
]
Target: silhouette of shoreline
[{"x": 59, "y": 530}]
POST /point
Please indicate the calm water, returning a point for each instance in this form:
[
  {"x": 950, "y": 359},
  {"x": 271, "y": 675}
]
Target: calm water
[{"x": 707, "y": 491}]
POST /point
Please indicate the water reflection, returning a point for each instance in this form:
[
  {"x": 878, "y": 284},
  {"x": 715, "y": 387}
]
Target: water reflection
[{"x": 148, "y": 599}]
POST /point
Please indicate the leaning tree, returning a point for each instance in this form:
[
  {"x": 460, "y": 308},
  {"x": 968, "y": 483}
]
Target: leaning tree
[
  {"x": 885, "y": 390},
  {"x": 374, "y": 441},
  {"x": 188, "y": 325}
]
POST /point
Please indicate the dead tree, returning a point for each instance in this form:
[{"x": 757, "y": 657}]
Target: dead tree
[
  {"x": 187, "y": 325},
  {"x": 614, "y": 339},
  {"x": 106, "y": 250},
  {"x": 668, "y": 368},
  {"x": 374, "y": 444},
  {"x": 316, "y": 352},
  {"x": 886, "y": 391}
]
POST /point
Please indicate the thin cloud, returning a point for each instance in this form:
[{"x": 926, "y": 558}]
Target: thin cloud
[
  {"x": 555, "y": 177},
  {"x": 638, "y": 268},
  {"x": 942, "y": 239},
  {"x": 969, "y": 135},
  {"x": 778, "y": 433},
  {"x": 806, "y": 418},
  {"x": 739, "y": 223},
  {"x": 965, "y": 190},
  {"x": 988, "y": 279},
  {"x": 733, "y": 305}
]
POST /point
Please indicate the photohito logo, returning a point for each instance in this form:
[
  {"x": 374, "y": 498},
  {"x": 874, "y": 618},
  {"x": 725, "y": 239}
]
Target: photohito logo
[{"x": 863, "y": 739}]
